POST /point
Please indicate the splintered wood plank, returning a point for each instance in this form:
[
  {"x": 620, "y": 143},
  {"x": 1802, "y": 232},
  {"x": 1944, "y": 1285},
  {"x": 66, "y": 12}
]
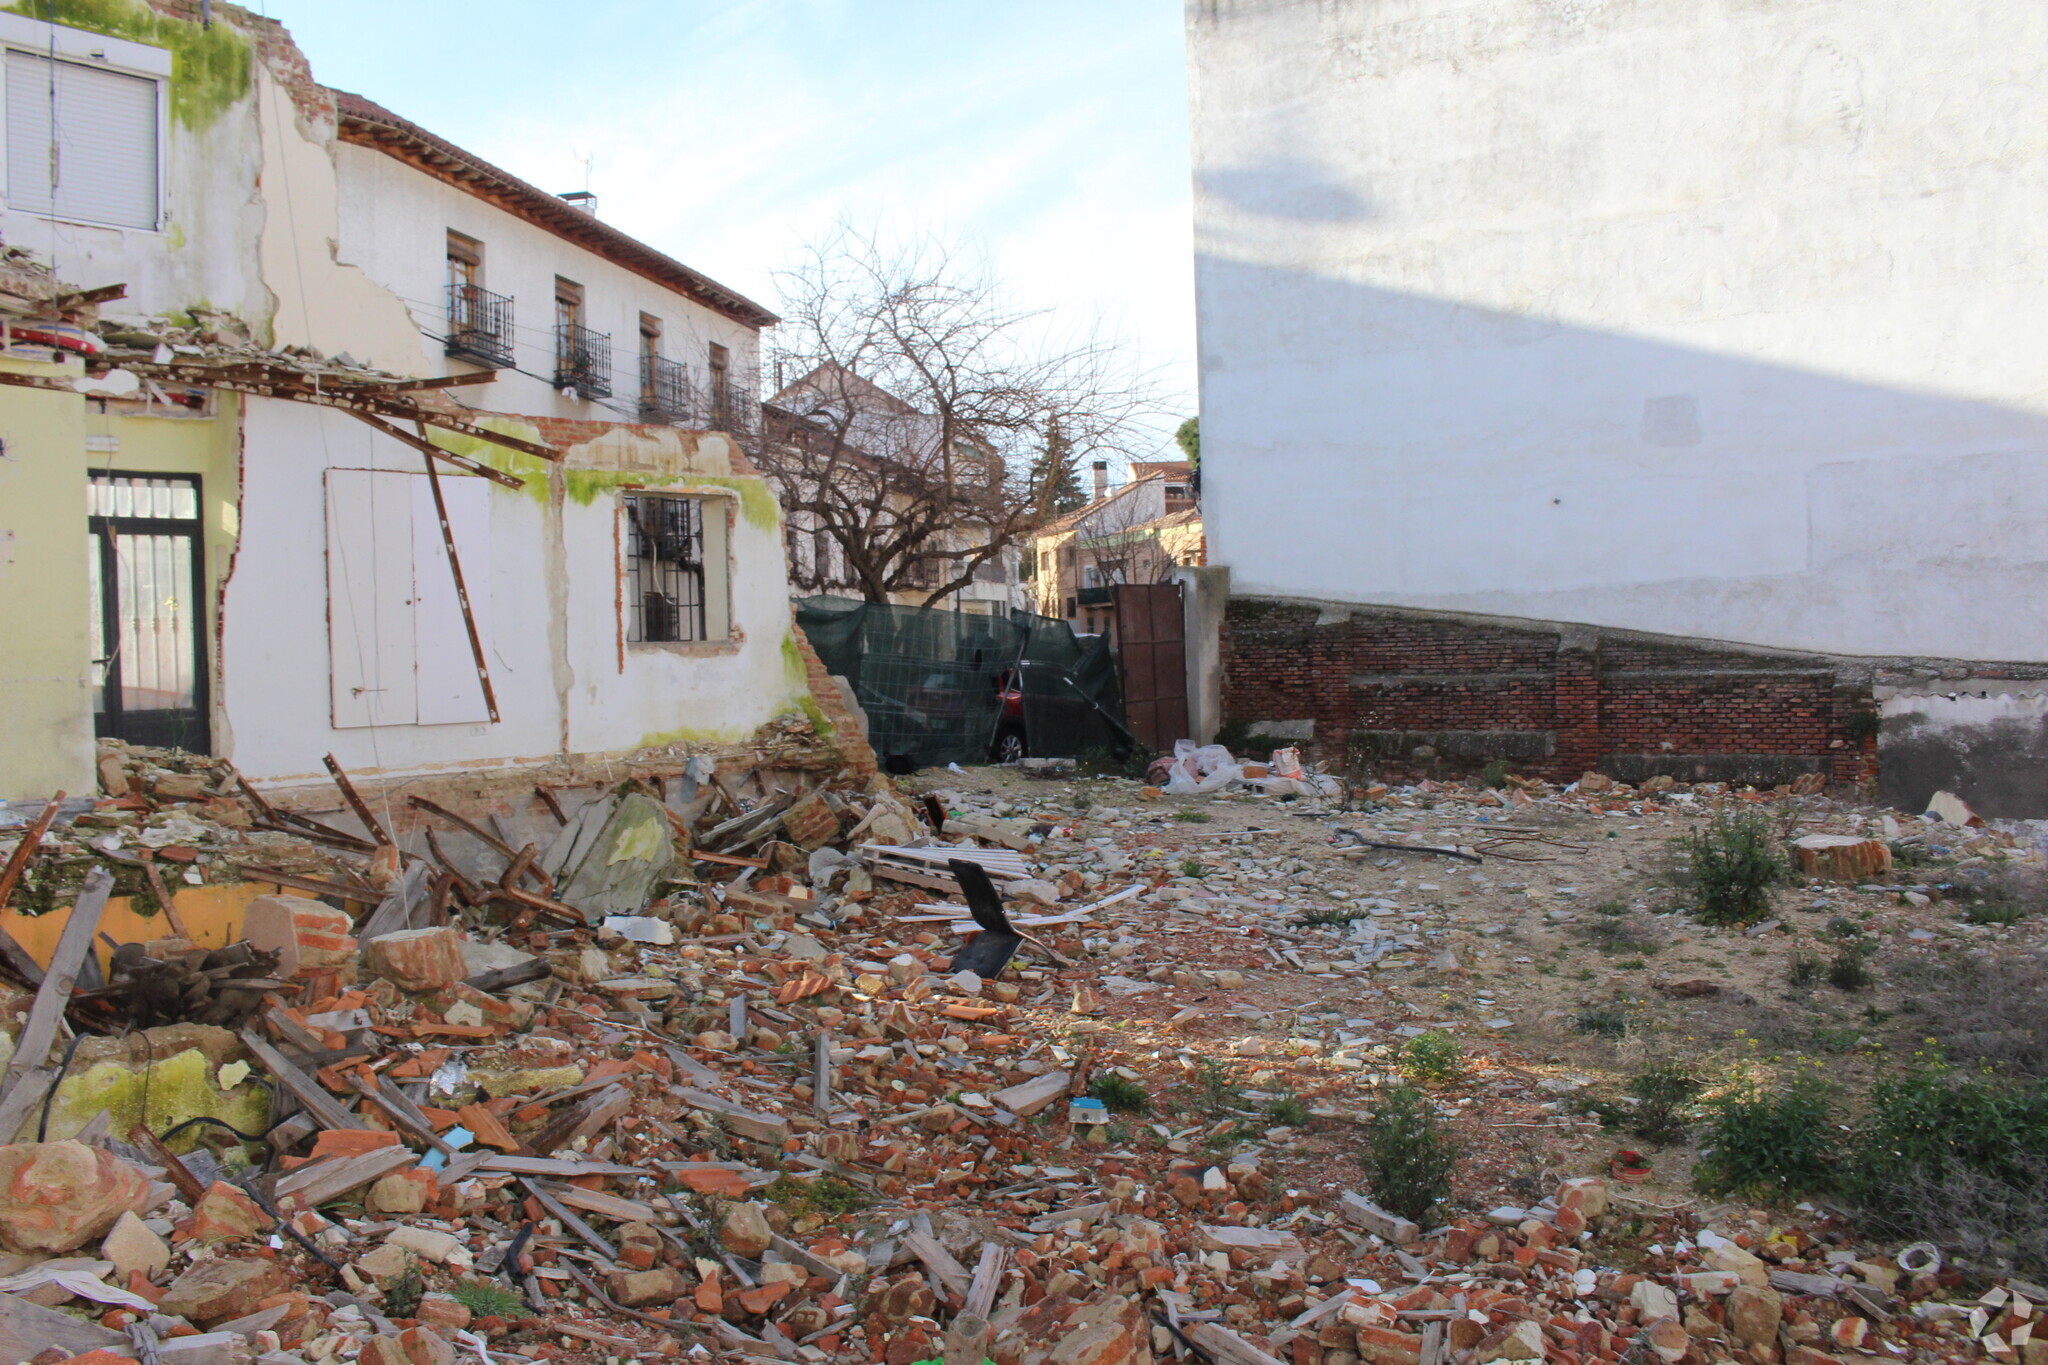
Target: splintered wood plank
[{"x": 328, "y": 1111}]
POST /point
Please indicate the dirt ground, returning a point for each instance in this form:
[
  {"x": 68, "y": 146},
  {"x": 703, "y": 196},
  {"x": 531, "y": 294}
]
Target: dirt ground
[{"x": 1563, "y": 960}]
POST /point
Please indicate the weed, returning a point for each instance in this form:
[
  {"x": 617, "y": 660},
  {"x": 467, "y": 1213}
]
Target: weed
[
  {"x": 1105, "y": 761},
  {"x": 1662, "y": 1092},
  {"x": 1985, "y": 1011},
  {"x": 1837, "y": 1039},
  {"x": 1906, "y": 854},
  {"x": 1621, "y": 932},
  {"x": 1769, "y": 1143},
  {"x": 1850, "y": 971},
  {"x": 1213, "y": 1091},
  {"x": 1995, "y": 910},
  {"x": 1803, "y": 970},
  {"x": 1408, "y": 1157},
  {"x": 402, "y": 1293},
  {"x": 1956, "y": 1157},
  {"x": 1633, "y": 964},
  {"x": 1862, "y": 725},
  {"x": 1842, "y": 929},
  {"x": 1188, "y": 815},
  {"x": 1607, "y": 1021},
  {"x": 1614, "y": 906},
  {"x": 1289, "y": 1111},
  {"x": 1193, "y": 867},
  {"x": 1731, "y": 865},
  {"x": 1433, "y": 1056},
  {"x": 1496, "y": 773},
  {"x": 828, "y": 1196},
  {"x": 487, "y": 1300},
  {"x": 1327, "y": 917},
  {"x": 1120, "y": 1094}
]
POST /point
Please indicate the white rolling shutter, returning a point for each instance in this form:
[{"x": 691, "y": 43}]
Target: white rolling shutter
[{"x": 81, "y": 142}]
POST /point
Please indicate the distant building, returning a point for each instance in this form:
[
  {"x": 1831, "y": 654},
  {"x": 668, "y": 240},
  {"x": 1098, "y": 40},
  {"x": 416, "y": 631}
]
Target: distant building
[
  {"x": 1654, "y": 387},
  {"x": 879, "y": 470},
  {"x": 1138, "y": 532}
]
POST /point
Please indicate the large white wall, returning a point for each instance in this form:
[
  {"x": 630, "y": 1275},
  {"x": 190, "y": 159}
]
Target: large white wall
[{"x": 1718, "y": 318}]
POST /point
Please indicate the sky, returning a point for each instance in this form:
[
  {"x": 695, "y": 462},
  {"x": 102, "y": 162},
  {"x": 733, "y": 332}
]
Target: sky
[{"x": 1050, "y": 136}]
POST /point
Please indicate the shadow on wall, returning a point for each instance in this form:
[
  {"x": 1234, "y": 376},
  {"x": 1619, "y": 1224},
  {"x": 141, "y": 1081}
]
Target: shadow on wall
[
  {"x": 1469, "y": 459},
  {"x": 1289, "y": 189},
  {"x": 1989, "y": 749}
]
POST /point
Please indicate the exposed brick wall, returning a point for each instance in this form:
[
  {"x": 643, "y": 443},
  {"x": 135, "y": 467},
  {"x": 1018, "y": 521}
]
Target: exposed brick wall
[
  {"x": 846, "y": 735},
  {"x": 1556, "y": 701}
]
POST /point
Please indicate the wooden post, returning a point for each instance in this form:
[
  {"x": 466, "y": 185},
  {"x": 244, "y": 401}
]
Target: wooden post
[{"x": 476, "y": 643}]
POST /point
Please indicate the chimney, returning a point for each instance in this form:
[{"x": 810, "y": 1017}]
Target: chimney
[
  {"x": 1101, "y": 479},
  {"x": 582, "y": 199}
]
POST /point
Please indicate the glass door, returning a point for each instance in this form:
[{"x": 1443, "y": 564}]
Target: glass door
[{"x": 148, "y": 580}]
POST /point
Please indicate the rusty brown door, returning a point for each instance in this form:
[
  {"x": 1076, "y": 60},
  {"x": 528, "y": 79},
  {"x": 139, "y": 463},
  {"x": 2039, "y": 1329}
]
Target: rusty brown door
[{"x": 1152, "y": 659}]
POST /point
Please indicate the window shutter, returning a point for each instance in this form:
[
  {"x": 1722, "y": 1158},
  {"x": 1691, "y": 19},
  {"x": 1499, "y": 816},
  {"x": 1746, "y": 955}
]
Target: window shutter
[{"x": 98, "y": 164}]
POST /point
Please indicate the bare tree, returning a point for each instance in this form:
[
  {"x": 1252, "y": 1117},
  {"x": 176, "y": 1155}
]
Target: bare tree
[{"x": 923, "y": 422}]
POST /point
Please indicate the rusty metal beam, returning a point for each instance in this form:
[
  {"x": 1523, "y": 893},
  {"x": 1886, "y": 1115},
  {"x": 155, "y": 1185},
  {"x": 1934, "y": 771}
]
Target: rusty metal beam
[
  {"x": 476, "y": 643},
  {"x": 426, "y": 447}
]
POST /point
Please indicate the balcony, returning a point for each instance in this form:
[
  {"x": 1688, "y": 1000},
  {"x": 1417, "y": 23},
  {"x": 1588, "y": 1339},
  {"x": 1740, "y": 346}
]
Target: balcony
[
  {"x": 665, "y": 392},
  {"x": 479, "y": 326},
  {"x": 733, "y": 407},
  {"x": 583, "y": 360}
]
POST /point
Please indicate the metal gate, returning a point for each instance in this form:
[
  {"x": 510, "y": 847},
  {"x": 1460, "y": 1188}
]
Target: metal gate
[
  {"x": 1152, "y": 658},
  {"x": 148, "y": 579}
]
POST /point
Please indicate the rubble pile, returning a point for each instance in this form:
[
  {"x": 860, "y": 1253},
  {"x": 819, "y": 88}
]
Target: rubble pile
[{"x": 744, "y": 1063}]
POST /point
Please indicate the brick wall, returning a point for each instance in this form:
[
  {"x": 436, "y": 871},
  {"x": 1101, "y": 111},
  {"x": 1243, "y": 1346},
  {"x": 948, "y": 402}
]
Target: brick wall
[{"x": 1553, "y": 701}]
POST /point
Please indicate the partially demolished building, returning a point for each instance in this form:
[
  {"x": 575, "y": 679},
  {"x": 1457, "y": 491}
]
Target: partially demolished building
[{"x": 326, "y": 436}]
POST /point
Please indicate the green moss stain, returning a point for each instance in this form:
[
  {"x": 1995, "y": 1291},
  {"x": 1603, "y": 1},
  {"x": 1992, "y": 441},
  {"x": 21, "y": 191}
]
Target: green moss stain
[
  {"x": 793, "y": 667},
  {"x": 757, "y": 503},
  {"x": 821, "y": 725},
  {"x": 174, "y": 1088},
  {"x": 530, "y": 470},
  {"x": 210, "y": 67},
  {"x": 585, "y": 486},
  {"x": 661, "y": 739}
]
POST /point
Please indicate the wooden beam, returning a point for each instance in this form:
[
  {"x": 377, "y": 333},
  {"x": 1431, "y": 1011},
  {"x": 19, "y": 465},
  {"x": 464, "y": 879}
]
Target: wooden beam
[
  {"x": 31, "y": 839},
  {"x": 28, "y": 1076},
  {"x": 429, "y": 448},
  {"x": 331, "y": 1113},
  {"x": 372, "y": 387}
]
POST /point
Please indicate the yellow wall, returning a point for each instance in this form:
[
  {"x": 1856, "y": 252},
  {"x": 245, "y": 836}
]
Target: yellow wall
[
  {"x": 46, "y": 741},
  {"x": 46, "y": 649}
]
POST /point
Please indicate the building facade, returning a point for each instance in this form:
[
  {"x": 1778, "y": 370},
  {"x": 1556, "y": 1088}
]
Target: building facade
[
  {"x": 1700, "y": 341},
  {"x": 268, "y": 574},
  {"x": 1138, "y": 532}
]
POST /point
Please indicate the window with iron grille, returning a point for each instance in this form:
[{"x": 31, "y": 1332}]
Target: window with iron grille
[{"x": 665, "y": 599}]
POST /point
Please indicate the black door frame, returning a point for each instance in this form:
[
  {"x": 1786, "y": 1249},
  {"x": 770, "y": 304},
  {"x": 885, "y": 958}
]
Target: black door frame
[{"x": 169, "y": 728}]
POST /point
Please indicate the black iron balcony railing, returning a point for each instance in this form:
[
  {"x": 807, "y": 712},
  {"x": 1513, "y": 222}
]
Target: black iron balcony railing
[
  {"x": 583, "y": 360},
  {"x": 479, "y": 325},
  {"x": 665, "y": 394},
  {"x": 732, "y": 407}
]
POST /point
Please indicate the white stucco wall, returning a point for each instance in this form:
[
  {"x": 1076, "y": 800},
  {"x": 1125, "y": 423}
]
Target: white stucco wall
[
  {"x": 203, "y": 250},
  {"x": 1706, "y": 317},
  {"x": 394, "y": 226},
  {"x": 565, "y": 684}
]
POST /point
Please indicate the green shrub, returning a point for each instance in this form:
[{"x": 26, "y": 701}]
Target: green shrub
[
  {"x": 1731, "y": 865},
  {"x": 1433, "y": 1056},
  {"x": 1120, "y": 1094},
  {"x": 1765, "y": 1144},
  {"x": 1803, "y": 970},
  {"x": 1496, "y": 773},
  {"x": 1322, "y": 917},
  {"x": 1956, "y": 1157},
  {"x": 1408, "y": 1156},
  {"x": 1662, "y": 1092},
  {"x": 1193, "y": 867},
  {"x": 1213, "y": 1091},
  {"x": 1188, "y": 815},
  {"x": 1850, "y": 971}
]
